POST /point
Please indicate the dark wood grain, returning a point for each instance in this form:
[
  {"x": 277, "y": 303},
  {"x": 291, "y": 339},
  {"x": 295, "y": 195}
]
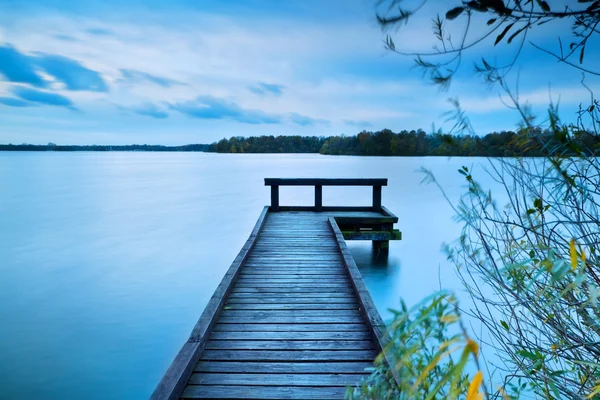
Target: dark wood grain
[
  {"x": 273, "y": 367},
  {"x": 325, "y": 181},
  {"x": 286, "y": 380},
  {"x": 266, "y": 392}
]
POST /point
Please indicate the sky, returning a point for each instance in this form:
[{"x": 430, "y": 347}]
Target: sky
[{"x": 195, "y": 71}]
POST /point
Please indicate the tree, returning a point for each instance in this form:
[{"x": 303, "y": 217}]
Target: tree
[
  {"x": 504, "y": 23},
  {"x": 532, "y": 265}
]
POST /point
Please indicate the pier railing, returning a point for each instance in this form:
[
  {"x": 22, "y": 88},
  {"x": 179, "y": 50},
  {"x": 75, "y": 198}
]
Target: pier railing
[{"x": 318, "y": 184}]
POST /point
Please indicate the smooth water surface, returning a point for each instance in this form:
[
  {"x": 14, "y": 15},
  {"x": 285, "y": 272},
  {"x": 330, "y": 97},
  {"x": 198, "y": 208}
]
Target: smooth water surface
[{"x": 108, "y": 259}]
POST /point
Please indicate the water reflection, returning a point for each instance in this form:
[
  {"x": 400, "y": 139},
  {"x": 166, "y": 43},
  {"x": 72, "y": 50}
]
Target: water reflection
[{"x": 381, "y": 273}]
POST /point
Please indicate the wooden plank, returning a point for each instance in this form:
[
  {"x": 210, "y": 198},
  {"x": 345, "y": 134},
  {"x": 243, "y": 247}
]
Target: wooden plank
[
  {"x": 372, "y": 235},
  {"x": 378, "y": 327},
  {"x": 352, "y": 335},
  {"x": 291, "y": 319},
  {"x": 267, "y": 392},
  {"x": 293, "y": 290},
  {"x": 287, "y": 380},
  {"x": 267, "y": 300},
  {"x": 289, "y": 345},
  {"x": 325, "y": 327},
  {"x": 326, "y": 181},
  {"x": 290, "y": 285},
  {"x": 292, "y": 306},
  {"x": 302, "y": 271},
  {"x": 291, "y": 278},
  {"x": 348, "y": 367},
  {"x": 289, "y": 355},
  {"x": 265, "y": 314},
  {"x": 174, "y": 380},
  {"x": 267, "y": 296}
]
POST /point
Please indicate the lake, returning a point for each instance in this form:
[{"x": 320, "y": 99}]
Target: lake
[{"x": 108, "y": 259}]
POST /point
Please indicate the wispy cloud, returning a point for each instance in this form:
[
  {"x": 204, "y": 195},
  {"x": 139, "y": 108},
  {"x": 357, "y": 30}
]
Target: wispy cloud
[
  {"x": 17, "y": 67},
  {"x": 12, "y": 102},
  {"x": 42, "y": 97},
  {"x": 70, "y": 72},
  {"x": 209, "y": 107},
  {"x": 262, "y": 89},
  {"x": 304, "y": 120},
  {"x": 150, "y": 110},
  {"x": 135, "y": 76},
  {"x": 99, "y": 31},
  {"x": 359, "y": 124}
]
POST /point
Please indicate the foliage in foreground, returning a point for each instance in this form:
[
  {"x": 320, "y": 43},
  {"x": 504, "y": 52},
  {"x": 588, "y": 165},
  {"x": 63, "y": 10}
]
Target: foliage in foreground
[{"x": 427, "y": 361}]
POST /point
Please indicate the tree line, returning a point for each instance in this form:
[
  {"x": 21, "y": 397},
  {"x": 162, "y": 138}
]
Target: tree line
[{"x": 529, "y": 143}]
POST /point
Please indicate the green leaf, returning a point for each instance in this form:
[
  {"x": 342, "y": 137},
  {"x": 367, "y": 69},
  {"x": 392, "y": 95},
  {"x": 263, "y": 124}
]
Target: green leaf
[
  {"x": 504, "y": 325},
  {"x": 476, "y": 6},
  {"x": 491, "y": 21},
  {"x": 543, "y": 5},
  {"x": 527, "y": 354},
  {"x": 516, "y": 33},
  {"x": 390, "y": 43},
  {"x": 455, "y": 12},
  {"x": 504, "y": 32}
]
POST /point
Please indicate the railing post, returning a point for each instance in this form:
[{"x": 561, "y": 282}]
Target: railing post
[
  {"x": 274, "y": 198},
  {"x": 377, "y": 198},
  {"x": 318, "y": 197}
]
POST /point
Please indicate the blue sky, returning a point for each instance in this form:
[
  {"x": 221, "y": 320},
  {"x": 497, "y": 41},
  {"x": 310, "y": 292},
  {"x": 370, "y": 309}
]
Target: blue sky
[{"x": 176, "y": 72}]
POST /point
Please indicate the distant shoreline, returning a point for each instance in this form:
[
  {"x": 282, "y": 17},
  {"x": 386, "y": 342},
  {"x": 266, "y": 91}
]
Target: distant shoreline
[
  {"x": 533, "y": 143},
  {"x": 129, "y": 147}
]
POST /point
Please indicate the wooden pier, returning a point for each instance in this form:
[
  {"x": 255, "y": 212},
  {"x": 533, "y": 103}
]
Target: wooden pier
[{"x": 292, "y": 318}]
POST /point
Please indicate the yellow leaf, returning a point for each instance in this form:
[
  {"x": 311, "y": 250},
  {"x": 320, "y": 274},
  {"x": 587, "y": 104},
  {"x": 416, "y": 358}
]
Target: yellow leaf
[
  {"x": 473, "y": 393},
  {"x": 583, "y": 258},
  {"x": 473, "y": 347},
  {"x": 449, "y": 318},
  {"x": 595, "y": 391},
  {"x": 553, "y": 348},
  {"x": 573, "y": 253}
]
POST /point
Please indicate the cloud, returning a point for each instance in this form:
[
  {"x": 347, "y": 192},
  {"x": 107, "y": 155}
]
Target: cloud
[
  {"x": 70, "y": 72},
  {"x": 209, "y": 107},
  {"x": 359, "y": 124},
  {"x": 66, "y": 38},
  {"x": 22, "y": 68},
  {"x": 99, "y": 32},
  {"x": 304, "y": 120},
  {"x": 12, "y": 102},
  {"x": 17, "y": 67},
  {"x": 150, "y": 110},
  {"x": 134, "y": 76},
  {"x": 41, "y": 97},
  {"x": 262, "y": 89}
]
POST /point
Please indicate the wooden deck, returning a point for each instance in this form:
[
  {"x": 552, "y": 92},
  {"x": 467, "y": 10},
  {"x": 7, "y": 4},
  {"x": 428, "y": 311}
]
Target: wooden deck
[{"x": 292, "y": 318}]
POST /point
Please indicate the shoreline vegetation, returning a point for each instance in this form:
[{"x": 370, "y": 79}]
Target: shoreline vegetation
[{"x": 533, "y": 143}]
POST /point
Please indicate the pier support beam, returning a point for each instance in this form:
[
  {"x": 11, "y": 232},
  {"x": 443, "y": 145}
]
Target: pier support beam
[{"x": 381, "y": 247}]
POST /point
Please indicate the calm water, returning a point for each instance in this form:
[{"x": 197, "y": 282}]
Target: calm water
[{"x": 108, "y": 259}]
